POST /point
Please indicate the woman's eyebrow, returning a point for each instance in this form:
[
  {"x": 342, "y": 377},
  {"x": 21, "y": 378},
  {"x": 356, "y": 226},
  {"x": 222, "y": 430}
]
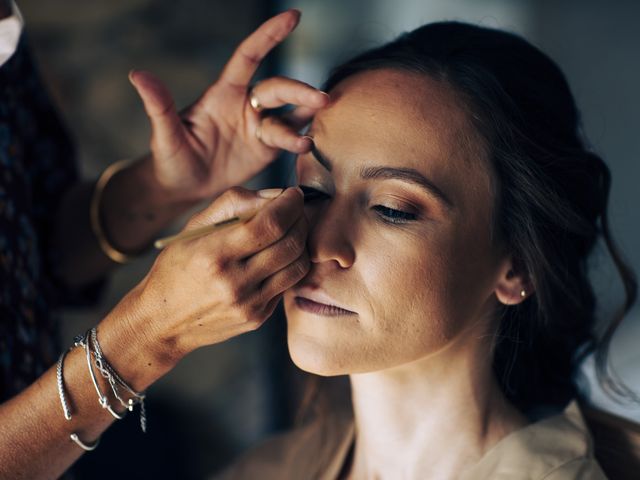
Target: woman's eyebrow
[
  {"x": 404, "y": 174},
  {"x": 320, "y": 157},
  {"x": 411, "y": 176}
]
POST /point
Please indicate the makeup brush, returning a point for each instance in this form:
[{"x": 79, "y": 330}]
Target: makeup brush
[{"x": 198, "y": 232}]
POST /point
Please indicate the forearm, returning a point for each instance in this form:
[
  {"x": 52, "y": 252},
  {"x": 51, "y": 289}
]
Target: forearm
[
  {"x": 218, "y": 292},
  {"x": 34, "y": 435},
  {"x": 133, "y": 211},
  {"x": 135, "y": 208}
]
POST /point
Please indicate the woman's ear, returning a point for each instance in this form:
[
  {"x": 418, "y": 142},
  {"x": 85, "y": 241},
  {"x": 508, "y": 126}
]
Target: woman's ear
[{"x": 514, "y": 285}]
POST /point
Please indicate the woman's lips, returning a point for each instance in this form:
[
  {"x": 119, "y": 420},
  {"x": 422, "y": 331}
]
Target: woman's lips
[{"x": 323, "y": 309}]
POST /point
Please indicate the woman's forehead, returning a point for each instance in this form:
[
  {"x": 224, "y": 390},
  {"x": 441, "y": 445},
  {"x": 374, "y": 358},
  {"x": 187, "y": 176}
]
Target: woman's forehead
[
  {"x": 396, "y": 116},
  {"x": 406, "y": 96}
]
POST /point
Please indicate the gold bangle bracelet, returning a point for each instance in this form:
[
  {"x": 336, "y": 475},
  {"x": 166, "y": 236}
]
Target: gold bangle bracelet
[{"x": 94, "y": 212}]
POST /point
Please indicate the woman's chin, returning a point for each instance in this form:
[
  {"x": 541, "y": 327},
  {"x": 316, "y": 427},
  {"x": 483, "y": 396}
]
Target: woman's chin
[{"x": 307, "y": 355}]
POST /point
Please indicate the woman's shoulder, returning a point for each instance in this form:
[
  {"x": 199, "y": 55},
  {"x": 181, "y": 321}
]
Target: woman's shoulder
[
  {"x": 313, "y": 450},
  {"x": 555, "y": 448}
]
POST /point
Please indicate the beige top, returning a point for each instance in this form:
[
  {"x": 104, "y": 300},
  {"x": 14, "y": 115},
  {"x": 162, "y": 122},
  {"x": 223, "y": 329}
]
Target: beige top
[{"x": 556, "y": 448}]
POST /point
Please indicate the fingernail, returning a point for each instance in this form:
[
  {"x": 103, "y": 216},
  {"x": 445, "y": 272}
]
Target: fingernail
[
  {"x": 270, "y": 192},
  {"x": 307, "y": 137},
  {"x": 299, "y": 190},
  {"x": 324, "y": 93},
  {"x": 296, "y": 11},
  {"x": 131, "y": 72}
]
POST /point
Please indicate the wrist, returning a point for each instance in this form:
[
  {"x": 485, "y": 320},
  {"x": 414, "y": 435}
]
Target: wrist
[
  {"x": 132, "y": 345},
  {"x": 135, "y": 208},
  {"x": 141, "y": 177}
]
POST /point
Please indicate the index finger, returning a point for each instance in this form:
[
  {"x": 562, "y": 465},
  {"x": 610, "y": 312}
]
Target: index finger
[
  {"x": 270, "y": 224},
  {"x": 247, "y": 57}
]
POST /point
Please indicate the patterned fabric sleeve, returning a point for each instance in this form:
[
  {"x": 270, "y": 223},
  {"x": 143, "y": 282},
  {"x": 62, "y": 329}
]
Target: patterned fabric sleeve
[{"x": 37, "y": 167}]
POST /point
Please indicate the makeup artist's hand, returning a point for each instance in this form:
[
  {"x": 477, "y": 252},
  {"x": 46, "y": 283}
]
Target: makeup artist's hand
[
  {"x": 214, "y": 144},
  {"x": 206, "y": 290}
]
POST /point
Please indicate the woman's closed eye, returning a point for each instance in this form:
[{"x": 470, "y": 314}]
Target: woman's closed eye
[
  {"x": 386, "y": 213},
  {"x": 392, "y": 215}
]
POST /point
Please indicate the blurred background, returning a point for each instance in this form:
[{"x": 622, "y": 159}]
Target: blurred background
[{"x": 224, "y": 398}]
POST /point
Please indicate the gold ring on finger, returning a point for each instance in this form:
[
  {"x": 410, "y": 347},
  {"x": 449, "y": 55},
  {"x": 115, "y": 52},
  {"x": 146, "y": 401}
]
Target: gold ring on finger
[{"x": 254, "y": 102}]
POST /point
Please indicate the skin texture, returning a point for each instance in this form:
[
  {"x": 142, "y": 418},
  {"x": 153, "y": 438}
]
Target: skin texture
[{"x": 422, "y": 291}]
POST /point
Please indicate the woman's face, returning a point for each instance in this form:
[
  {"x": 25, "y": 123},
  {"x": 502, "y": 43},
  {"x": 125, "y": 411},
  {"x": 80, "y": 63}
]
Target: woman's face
[{"x": 403, "y": 260}]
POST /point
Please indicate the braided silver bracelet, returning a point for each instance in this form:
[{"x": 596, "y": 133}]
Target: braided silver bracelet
[
  {"x": 78, "y": 341},
  {"x": 114, "y": 380},
  {"x": 63, "y": 398}
]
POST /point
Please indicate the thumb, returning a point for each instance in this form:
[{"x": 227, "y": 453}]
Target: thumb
[
  {"x": 235, "y": 202},
  {"x": 166, "y": 126}
]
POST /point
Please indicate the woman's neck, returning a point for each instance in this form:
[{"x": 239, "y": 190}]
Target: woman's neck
[{"x": 432, "y": 418}]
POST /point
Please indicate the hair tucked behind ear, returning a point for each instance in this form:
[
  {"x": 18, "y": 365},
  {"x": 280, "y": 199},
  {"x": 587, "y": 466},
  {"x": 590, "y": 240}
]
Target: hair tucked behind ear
[{"x": 551, "y": 204}]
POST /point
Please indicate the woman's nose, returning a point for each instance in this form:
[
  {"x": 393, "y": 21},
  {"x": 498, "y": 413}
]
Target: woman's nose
[{"x": 330, "y": 234}]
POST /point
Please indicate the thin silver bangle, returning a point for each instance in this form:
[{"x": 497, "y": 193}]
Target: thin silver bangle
[
  {"x": 109, "y": 368},
  {"x": 85, "y": 446},
  {"x": 114, "y": 379},
  {"x": 109, "y": 373},
  {"x": 100, "y": 365},
  {"x": 102, "y": 399}
]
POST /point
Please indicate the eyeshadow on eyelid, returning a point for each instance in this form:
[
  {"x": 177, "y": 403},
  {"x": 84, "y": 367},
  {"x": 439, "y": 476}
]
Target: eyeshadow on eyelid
[{"x": 314, "y": 184}]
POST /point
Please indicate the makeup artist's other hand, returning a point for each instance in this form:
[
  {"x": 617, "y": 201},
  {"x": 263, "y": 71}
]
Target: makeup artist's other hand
[
  {"x": 203, "y": 291},
  {"x": 213, "y": 145}
]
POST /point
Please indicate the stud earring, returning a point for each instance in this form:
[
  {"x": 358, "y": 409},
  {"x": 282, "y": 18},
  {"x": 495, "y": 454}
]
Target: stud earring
[{"x": 523, "y": 293}]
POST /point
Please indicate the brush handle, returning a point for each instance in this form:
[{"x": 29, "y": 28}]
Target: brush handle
[{"x": 200, "y": 231}]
